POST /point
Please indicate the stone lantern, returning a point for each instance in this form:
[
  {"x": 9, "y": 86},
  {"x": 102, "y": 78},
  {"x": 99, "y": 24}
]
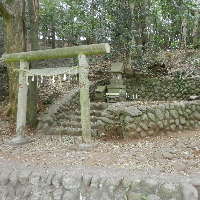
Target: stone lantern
[{"x": 116, "y": 91}]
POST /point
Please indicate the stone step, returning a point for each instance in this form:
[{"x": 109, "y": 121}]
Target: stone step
[
  {"x": 64, "y": 131},
  {"x": 74, "y": 118},
  {"x": 68, "y": 131},
  {"x": 72, "y": 124},
  {"x": 95, "y": 113},
  {"x": 69, "y": 118},
  {"x": 98, "y": 106}
]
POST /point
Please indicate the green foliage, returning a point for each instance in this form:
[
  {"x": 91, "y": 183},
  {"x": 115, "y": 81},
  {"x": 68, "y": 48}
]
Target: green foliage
[
  {"x": 144, "y": 197},
  {"x": 151, "y": 24}
]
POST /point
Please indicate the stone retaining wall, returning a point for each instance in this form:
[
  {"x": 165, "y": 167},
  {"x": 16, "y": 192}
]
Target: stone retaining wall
[
  {"x": 145, "y": 120},
  {"x": 135, "y": 120},
  {"x": 37, "y": 185},
  {"x": 162, "y": 89}
]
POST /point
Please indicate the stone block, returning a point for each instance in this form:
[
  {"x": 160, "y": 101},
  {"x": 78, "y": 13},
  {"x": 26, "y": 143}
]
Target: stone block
[
  {"x": 196, "y": 115},
  {"x": 113, "y": 183},
  {"x": 177, "y": 122},
  {"x": 143, "y": 126},
  {"x": 159, "y": 114},
  {"x": 179, "y": 166},
  {"x": 149, "y": 185},
  {"x": 103, "y": 183},
  {"x": 45, "y": 127},
  {"x": 24, "y": 176},
  {"x": 46, "y": 118},
  {"x": 11, "y": 193},
  {"x": 144, "y": 118},
  {"x": 105, "y": 196},
  {"x": 138, "y": 130},
  {"x": 151, "y": 116},
  {"x": 107, "y": 120},
  {"x": 167, "y": 115},
  {"x": 188, "y": 111},
  {"x": 71, "y": 182},
  {"x": 5, "y": 177},
  {"x": 57, "y": 179},
  {"x": 182, "y": 120},
  {"x": 131, "y": 111},
  {"x": 100, "y": 127},
  {"x": 35, "y": 178},
  {"x": 128, "y": 119},
  {"x": 160, "y": 125},
  {"x": 14, "y": 177},
  {"x": 153, "y": 197},
  {"x": 150, "y": 132},
  {"x": 167, "y": 191},
  {"x": 28, "y": 191},
  {"x": 95, "y": 182},
  {"x": 134, "y": 196},
  {"x": 58, "y": 194},
  {"x": 192, "y": 123},
  {"x": 195, "y": 182},
  {"x": 131, "y": 135},
  {"x": 126, "y": 182},
  {"x": 188, "y": 191},
  {"x": 47, "y": 197},
  {"x": 71, "y": 195},
  {"x": 49, "y": 178},
  {"x": 152, "y": 125},
  {"x": 143, "y": 134},
  {"x": 174, "y": 113},
  {"x": 172, "y": 127},
  {"x": 135, "y": 186}
]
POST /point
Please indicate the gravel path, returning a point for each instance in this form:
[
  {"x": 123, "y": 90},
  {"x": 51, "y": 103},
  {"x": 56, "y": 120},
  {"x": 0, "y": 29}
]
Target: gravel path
[{"x": 178, "y": 154}]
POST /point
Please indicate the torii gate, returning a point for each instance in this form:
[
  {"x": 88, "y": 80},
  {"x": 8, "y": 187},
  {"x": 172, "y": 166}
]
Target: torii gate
[{"x": 25, "y": 57}]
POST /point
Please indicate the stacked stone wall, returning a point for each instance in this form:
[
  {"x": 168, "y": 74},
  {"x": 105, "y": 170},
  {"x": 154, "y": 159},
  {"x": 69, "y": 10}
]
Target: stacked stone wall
[
  {"x": 162, "y": 89},
  {"x": 156, "y": 119},
  {"x": 29, "y": 185}
]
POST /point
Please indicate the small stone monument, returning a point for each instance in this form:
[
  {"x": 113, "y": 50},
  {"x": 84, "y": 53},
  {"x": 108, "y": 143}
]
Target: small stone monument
[
  {"x": 100, "y": 94},
  {"x": 116, "y": 89}
]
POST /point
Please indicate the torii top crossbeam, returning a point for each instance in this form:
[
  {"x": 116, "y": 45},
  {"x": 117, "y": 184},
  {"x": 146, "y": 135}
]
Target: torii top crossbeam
[{"x": 93, "y": 49}]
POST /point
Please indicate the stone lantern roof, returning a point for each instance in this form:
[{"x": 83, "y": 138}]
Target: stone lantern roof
[{"x": 117, "y": 67}]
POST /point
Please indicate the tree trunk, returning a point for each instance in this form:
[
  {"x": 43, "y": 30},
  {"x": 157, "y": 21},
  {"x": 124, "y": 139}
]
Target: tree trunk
[
  {"x": 1, "y": 37},
  {"x": 14, "y": 34},
  {"x": 196, "y": 28},
  {"x": 53, "y": 36},
  {"x": 132, "y": 42},
  {"x": 183, "y": 33},
  {"x": 140, "y": 18},
  {"x": 33, "y": 7}
]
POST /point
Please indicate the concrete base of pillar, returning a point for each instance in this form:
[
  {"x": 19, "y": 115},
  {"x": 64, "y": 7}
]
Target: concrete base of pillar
[{"x": 19, "y": 141}]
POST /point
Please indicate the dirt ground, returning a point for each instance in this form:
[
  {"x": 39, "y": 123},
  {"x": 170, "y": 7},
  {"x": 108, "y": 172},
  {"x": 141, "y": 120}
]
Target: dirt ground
[{"x": 176, "y": 153}]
